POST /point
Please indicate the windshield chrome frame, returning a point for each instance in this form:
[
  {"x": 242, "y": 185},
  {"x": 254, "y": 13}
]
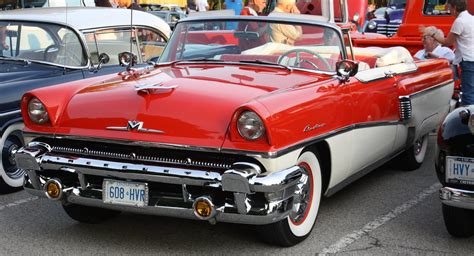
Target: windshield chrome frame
[{"x": 292, "y": 20}]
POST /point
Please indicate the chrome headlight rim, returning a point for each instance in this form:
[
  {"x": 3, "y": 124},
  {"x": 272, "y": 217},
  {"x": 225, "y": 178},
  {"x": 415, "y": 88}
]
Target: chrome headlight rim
[
  {"x": 372, "y": 25},
  {"x": 37, "y": 111},
  {"x": 250, "y": 126}
]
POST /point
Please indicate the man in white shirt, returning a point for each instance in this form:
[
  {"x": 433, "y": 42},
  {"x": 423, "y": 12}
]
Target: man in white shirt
[
  {"x": 433, "y": 49},
  {"x": 202, "y": 5},
  {"x": 462, "y": 35}
]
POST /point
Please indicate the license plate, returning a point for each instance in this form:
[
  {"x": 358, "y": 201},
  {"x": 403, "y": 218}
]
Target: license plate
[
  {"x": 125, "y": 193},
  {"x": 460, "y": 170}
]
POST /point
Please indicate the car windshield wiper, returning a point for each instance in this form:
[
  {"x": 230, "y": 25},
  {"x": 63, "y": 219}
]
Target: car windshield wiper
[
  {"x": 23, "y": 61},
  {"x": 266, "y": 63}
]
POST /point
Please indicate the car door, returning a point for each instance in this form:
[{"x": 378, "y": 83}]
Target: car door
[{"x": 375, "y": 115}]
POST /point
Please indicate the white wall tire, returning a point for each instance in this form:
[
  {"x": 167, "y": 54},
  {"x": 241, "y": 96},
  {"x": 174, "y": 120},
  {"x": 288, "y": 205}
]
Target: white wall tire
[
  {"x": 11, "y": 178},
  {"x": 304, "y": 226},
  {"x": 413, "y": 157},
  {"x": 297, "y": 227}
]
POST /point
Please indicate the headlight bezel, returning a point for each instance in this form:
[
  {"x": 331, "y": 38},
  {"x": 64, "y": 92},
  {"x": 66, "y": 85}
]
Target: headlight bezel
[
  {"x": 372, "y": 25},
  {"x": 41, "y": 116},
  {"x": 250, "y": 125}
]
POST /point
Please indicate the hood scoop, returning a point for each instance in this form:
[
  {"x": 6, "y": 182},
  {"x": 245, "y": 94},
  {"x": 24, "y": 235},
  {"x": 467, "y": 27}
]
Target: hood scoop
[{"x": 154, "y": 88}]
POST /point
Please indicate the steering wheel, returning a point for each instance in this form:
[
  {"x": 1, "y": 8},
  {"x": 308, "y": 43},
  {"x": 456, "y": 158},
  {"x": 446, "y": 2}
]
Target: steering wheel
[
  {"x": 49, "y": 51},
  {"x": 299, "y": 61}
]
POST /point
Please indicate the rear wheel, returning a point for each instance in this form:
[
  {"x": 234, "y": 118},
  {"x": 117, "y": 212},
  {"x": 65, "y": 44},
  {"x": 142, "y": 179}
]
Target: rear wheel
[
  {"x": 413, "y": 157},
  {"x": 11, "y": 177},
  {"x": 459, "y": 222},
  {"x": 88, "y": 214},
  {"x": 298, "y": 225}
]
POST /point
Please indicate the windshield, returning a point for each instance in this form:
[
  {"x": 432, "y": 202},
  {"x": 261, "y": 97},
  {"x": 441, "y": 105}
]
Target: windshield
[
  {"x": 42, "y": 42},
  {"x": 162, "y": 15},
  {"x": 315, "y": 47}
]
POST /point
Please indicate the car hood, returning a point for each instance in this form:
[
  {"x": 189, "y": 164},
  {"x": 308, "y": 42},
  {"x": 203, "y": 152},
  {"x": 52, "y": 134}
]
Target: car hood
[{"x": 192, "y": 105}]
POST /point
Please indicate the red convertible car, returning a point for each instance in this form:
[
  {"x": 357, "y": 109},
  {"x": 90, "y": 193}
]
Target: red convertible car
[{"x": 240, "y": 121}]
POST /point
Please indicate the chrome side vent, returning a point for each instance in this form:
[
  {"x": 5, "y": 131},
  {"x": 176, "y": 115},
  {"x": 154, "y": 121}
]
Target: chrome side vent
[{"x": 405, "y": 108}]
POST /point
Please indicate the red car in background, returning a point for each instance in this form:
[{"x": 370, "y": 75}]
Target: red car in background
[{"x": 417, "y": 13}]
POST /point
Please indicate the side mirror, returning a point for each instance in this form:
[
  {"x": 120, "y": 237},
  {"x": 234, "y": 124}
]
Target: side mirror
[
  {"x": 127, "y": 59},
  {"x": 103, "y": 59},
  {"x": 346, "y": 68}
]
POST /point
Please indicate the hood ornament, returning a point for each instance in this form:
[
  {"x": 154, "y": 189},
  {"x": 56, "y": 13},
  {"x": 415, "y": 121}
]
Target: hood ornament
[
  {"x": 133, "y": 126},
  {"x": 154, "y": 88}
]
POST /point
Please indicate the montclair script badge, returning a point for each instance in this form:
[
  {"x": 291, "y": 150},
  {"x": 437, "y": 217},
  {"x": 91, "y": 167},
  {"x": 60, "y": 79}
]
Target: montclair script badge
[{"x": 133, "y": 126}]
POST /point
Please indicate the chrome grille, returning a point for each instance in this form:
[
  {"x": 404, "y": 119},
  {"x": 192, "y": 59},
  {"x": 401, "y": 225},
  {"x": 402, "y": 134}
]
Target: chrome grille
[
  {"x": 388, "y": 30},
  {"x": 405, "y": 108},
  {"x": 139, "y": 157}
]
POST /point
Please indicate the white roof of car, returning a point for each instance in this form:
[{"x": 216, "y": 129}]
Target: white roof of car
[{"x": 83, "y": 18}]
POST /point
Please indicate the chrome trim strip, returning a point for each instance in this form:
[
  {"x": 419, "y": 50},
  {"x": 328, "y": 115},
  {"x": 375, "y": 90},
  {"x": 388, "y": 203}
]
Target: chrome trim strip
[
  {"x": 10, "y": 113},
  {"x": 457, "y": 197},
  {"x": 427, "y": 90},
  {"x": 248, "y": 153}
]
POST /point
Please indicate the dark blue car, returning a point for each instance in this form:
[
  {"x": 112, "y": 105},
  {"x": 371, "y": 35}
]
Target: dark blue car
[
  {"x": 46, "y": 46},
  {"x": 386, "y": 24}
]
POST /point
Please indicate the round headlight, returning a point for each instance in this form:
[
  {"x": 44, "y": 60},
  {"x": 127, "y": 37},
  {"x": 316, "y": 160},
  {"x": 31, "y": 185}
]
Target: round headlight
[
  {"x": 372, "y": 25},
  {"x": 250, "y": 126},
  {"x": 37, "y": 112}
]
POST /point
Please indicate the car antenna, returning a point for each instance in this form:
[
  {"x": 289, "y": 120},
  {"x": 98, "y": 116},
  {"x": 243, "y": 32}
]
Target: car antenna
[
  {"x": 130, "y": 63},
  {"x": 65, "y": 45}
]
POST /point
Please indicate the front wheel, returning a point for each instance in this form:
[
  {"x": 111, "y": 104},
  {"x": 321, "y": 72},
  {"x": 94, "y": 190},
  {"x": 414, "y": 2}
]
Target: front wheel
[
  {"x": 459, "y": 222},
  {"x": 88, "y": 214},
  {"x": 11, "y": 177},
  {"x": 298, "y": 225}
]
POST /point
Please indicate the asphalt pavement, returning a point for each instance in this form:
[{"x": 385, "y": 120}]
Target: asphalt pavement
[{"x": 387, "y": 212}]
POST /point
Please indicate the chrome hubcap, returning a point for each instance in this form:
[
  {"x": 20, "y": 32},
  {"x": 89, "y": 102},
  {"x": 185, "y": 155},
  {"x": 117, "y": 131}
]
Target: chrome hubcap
[
  {"x": 302, "y": 198},
  {"x": 10, "y": 147},
  {"x": 11, "y": 154},
  {"x": 418, "y": 146}
]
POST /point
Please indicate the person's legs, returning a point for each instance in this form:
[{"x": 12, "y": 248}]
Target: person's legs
[{"x": 467, "y": 82}]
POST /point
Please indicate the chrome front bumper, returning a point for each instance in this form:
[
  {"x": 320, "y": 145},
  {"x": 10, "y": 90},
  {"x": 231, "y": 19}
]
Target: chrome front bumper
[
  {"x": 242, "y": 181},
  {"x": 457, "y": 197}
]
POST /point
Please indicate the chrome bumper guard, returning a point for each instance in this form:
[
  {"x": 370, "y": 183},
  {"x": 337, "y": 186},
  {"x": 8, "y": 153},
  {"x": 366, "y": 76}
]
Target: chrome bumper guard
[
  {"x": 457, "y": 197},
  {"x": 242, "y": 180}
]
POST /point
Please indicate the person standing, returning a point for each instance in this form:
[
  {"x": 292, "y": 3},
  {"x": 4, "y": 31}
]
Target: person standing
[
  {"x": 462, "y": 36},
  {"x": 3, "y": 39},
  {"x": 254, "y": 8},
  {"x": 202, "y": 5}
]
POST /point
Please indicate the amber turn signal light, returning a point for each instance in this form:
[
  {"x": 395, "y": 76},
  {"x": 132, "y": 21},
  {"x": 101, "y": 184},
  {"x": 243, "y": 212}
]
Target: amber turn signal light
[
  {"x": 53, "y": 189},
  {"x": 204, "y": 208}
]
